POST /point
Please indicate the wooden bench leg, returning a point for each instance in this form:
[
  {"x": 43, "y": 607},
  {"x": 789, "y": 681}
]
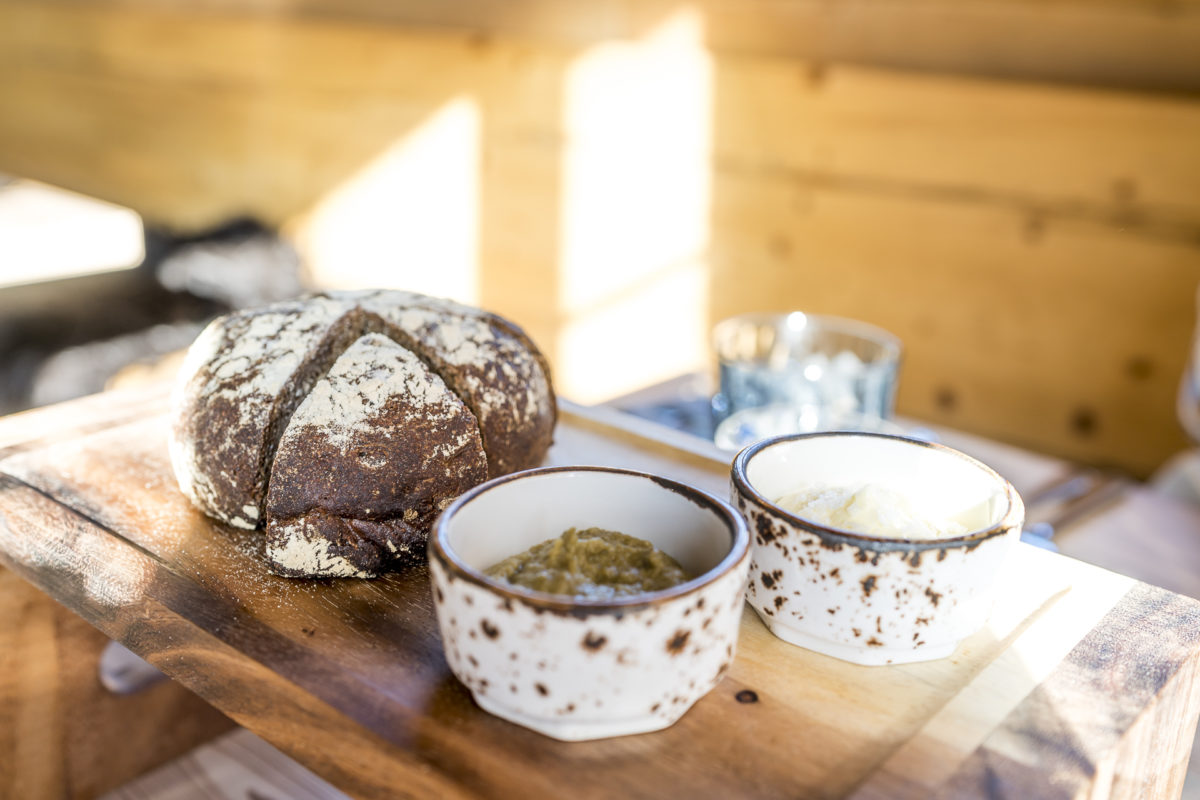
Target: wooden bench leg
[{"x": 62, "y": 734}]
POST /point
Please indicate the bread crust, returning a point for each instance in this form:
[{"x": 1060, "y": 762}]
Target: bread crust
[
  {"x": 379, "y": 439},
  {"x": 239, "y": 383},
  {"x": 501, "y": 377},
  {"x": 460, "y": 395}
]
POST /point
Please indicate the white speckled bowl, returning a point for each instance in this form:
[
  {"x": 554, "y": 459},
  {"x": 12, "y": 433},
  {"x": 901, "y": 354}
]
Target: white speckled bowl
[
  {"x": 867, "y": 599},
  {"x": 578, "y": 669}
]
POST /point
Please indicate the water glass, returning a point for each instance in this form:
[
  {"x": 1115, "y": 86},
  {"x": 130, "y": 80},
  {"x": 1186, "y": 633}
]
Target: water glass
[{"x": 833, "y": 373}]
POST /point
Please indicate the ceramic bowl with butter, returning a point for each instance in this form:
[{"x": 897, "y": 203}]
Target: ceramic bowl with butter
[
  {"x": 873, "y": 548},
  {"x": 574, "y": 667}
]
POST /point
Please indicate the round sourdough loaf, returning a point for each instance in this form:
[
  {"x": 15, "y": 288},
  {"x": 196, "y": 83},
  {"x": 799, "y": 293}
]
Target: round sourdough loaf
[{"x": 344, "y": 422}]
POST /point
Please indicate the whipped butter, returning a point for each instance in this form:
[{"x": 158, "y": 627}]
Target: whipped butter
[{"x": 870, "y": 510}]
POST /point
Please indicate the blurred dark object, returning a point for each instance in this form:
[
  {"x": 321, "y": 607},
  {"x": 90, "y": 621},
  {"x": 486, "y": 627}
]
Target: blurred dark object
[
  {"x": 240, "y": 265},
  {"x": 683, "y": 403},
  {"x": 66, "y": 338},
  {"x": 692, "y": 415}
]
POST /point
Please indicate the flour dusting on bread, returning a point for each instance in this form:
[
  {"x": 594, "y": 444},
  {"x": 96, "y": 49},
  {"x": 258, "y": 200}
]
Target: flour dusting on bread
[
  {"x": 243, "y": 366},
  {"x": 346, "y": 421},
  {"x": 303, "y": 551}
]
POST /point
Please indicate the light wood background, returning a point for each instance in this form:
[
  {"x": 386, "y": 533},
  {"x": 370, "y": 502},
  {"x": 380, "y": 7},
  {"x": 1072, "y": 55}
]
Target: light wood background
[{"x": 1011, "y": 187}]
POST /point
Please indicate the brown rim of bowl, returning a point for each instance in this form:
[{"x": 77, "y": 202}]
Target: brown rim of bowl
[
  {"x": 970, "y": 539},
  {"x": 739, "y": 547}
]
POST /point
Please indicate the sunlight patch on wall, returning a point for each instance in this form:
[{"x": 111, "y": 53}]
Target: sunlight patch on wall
[
  {"x": 635, "y": 215},
  {"x": 410, "y": 218}
]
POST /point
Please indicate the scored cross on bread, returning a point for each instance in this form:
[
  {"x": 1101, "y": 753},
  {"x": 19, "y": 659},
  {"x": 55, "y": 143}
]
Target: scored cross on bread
[
  {"x": 375, "y": 451},
  {"x": 246, "y": 387}
]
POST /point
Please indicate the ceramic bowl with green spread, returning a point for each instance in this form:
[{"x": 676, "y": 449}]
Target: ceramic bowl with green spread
[{"x": 585, "y": 667}]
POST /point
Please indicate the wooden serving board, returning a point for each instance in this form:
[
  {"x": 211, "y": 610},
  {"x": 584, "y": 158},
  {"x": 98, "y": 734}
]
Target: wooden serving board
[{"x": 1083, "y": 683}]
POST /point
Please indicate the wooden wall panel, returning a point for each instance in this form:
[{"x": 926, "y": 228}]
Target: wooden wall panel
[
  {"x": 191, "y": 120},
  {"x": 1069, "y": 337},
  {"x": 1130, "y": 43},
  {"x": 1037, "y": 245},
  {"x": 519, "y": 238},
  {"x": 1120, "y": 157}
]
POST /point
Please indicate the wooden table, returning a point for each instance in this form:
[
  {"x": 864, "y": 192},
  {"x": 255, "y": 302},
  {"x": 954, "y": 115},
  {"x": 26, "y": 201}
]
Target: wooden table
[{"x": 1083, "y": 683}]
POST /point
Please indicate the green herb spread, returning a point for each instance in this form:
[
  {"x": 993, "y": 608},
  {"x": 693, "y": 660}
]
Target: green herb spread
[{"x": 592, "y": 564}]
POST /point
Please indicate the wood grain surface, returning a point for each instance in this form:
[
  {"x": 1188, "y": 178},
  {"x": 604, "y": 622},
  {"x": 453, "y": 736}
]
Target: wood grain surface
[
  {"x": 1114, "y": 42},
  {"x": 855, "y": 158},
  {"x": 58, "y": 724},
  {"x": 348, "y": 676}
]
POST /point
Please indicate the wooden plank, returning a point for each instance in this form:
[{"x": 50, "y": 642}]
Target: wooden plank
[
  {"x": 125, "y": 592},
  {"x": 57, "y": 723},
  {"x": 1168, "y": 728},
  {"x": 959, "y": 727},
  {"x": 1097, "y": 42},
  {"x": 1122, "y": 43},
  {"x": 96, "y": 521},
  {"x": 41, "y": 426},
  {"x": 1066, "y": 338},
  {"x": 544, "y": 20},
  {"x": 195, "y": 119},
  {"x": 274, "y": 113},
  {"x": 1119, "y": 158},
  {"x": 1055, "y": 742},
  {"x": 1127, "y": 653}
]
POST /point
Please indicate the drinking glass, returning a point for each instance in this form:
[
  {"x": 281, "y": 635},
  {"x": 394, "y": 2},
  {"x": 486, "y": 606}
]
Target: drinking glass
[{"x": 805, "y": 372}]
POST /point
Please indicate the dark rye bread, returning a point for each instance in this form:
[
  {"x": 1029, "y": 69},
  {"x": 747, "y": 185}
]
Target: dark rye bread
[
  {"x": 488, "y": 362},
  {"x": 344, "y": 499},
  {"x": 242, "y": 379},
  {"x": 249, "y": 372}
]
